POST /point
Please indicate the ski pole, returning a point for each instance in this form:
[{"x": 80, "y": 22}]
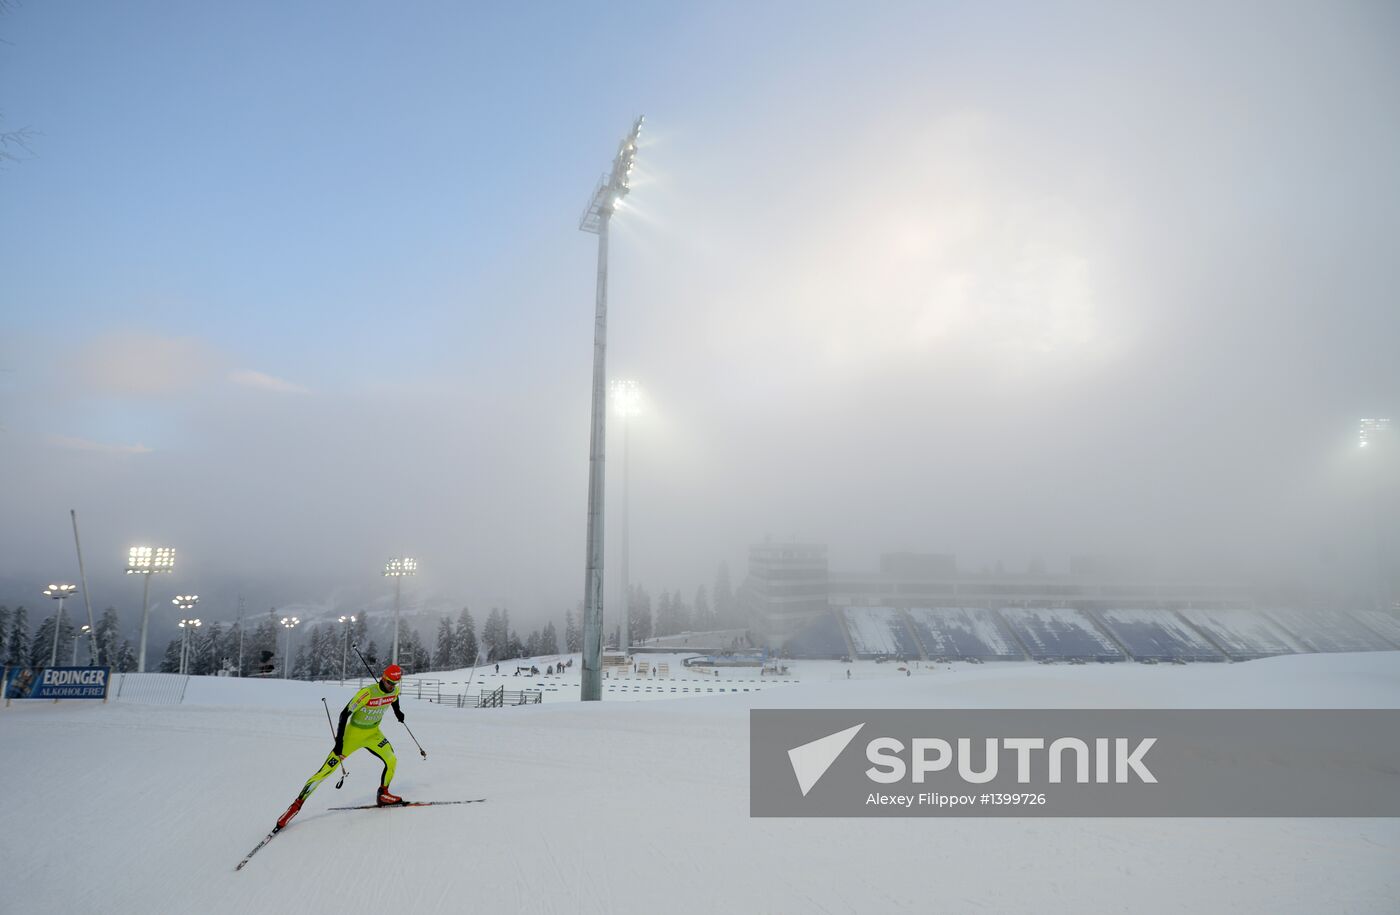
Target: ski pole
[
  {"x": 422, "y": 752},
  {"x": 356, "y": 648},
  {"x": 343, "y": 771}
]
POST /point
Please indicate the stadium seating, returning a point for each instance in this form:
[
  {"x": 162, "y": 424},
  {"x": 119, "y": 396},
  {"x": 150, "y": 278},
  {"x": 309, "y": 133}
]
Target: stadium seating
[
  {"x": 1242, "y": 634},
  {"x": 1059, "y": 634},
  {"x": 1319, "y": 630},
  {"x": 963, "y": 632},
  {"x": 821, "y": 638},
  {"x": 1157, "y": 635},
  {"x": 879, "y": 632}
]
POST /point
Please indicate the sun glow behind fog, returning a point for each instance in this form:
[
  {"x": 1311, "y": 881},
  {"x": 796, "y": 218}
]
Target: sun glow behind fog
[{"x": 947, "y": 249}]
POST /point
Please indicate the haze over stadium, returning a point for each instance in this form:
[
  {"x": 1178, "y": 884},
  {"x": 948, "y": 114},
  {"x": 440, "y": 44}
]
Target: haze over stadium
[{"x": 931, "y": 277}]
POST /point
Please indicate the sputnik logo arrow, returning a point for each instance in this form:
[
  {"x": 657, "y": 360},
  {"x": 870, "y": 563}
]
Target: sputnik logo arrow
[{"x": 811, "y": 760}]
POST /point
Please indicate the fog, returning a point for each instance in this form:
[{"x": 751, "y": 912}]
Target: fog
[{"x": 1012, "y": 282}]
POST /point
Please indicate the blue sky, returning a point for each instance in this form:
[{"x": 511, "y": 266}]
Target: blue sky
[{"x": 305, "y": 280}]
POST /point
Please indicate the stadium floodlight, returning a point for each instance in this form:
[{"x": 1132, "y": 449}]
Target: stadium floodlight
[
  {"x": 398, "y": 569},
  {"x": 348, "y": 623},
  {"x": 59, "y": 593},
  {"x": 1377, "y": 437},
  {"x": 1372, "y": 431},
  {"x": 289, "y": 623},
  {"x": 76, "y": 638},
  {"x": 147, "y": 561},
  {"x": 611, "y": 188},
  {"x": 626, "y": 397},
  {"x": 185, "y": 603}
]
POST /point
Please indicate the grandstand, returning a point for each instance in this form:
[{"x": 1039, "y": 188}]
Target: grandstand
[
  {"x": 822, "y": 638},
  {"x": 963, "y": 632},
  {"x": 1242, "y": 634},
  {"x": 1157, "y": 635},
  {"x": 1386, "y": 625},
  {"x": 1143, "y": 634},
  {"x": 1060, "y": 634},
  {"x": 1325, "y": 631},
  {"x": 880, "y": 632}
]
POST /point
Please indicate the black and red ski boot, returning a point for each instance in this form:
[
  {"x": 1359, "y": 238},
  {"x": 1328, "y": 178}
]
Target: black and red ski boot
[
  {"x": 385, "y": 799},
  {"x": 292, "y": 811}
]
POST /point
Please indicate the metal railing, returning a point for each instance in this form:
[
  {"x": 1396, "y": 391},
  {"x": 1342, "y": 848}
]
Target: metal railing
[
  {"x": 496, "y": 698},
  {"x": 151, "y": 689}
]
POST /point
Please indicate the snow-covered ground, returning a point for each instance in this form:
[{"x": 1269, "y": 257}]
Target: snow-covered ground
[{"x": 636, "y": 806}]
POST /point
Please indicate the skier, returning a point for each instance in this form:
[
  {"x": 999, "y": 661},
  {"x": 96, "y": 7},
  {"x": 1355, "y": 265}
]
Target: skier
[{"x": 361, "y": 714}]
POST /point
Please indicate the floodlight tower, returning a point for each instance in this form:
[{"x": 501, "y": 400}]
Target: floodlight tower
[
  {"x": 185, "y": 603},
  {"x": 611, "y": 188},
  {"x": 147, "y": 561},
  {"x": 86, "y": 630},
  {"x": 398, "y": 569},
  {"x": 626, "y": 399},
  {"x": 59, "y": 593},
  {"x": 1377, "y": 437},
  {"x": 289, "y": 623},
  {"x": 347, "y": 623}
]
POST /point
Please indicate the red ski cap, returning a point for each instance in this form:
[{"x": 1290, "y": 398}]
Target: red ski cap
[{"x": 393, "y": 673}]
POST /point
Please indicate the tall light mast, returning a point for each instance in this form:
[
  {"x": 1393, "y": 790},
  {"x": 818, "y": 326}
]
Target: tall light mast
[{"x": 610, "y": 190}]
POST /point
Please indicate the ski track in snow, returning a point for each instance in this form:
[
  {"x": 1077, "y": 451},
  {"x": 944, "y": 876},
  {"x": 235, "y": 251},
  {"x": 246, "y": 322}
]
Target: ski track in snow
[{"x": 637, "y": 807}]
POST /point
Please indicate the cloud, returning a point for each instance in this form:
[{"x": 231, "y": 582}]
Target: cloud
[
  {"x": 253, "y": 379},
  {"x": 82, "y": 444},
  {"x": 144, "y": 364}
]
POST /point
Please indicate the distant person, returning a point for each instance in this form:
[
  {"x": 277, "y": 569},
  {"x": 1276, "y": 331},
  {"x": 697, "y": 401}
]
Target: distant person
[
  {"x": 848, "y": 673},
  {"x": 498, "y": 668},
  {"x": 359, "y": 727}
]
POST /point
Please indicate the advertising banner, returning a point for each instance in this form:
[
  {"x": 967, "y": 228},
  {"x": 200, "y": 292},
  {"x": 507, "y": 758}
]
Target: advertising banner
[{"x": 57, "y": 683}]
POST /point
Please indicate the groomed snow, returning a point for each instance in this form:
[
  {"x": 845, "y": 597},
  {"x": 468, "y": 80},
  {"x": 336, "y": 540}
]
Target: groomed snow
[{"x": 637, "y": 807}]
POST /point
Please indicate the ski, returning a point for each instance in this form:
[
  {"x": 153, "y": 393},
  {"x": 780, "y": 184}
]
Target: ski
[
  {"x": 248, "y": 857},
  {"x": 268, "y": 838},
  {"x": 406, "y": 804}
]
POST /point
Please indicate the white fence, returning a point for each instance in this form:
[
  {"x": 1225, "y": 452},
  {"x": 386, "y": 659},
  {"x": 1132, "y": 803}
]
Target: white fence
[{"x": 150, "y": 689}]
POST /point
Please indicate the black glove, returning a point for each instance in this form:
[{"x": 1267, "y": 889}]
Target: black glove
[
  {"x": 339, "y": 749},
  {"x": 398, "y": 713}
]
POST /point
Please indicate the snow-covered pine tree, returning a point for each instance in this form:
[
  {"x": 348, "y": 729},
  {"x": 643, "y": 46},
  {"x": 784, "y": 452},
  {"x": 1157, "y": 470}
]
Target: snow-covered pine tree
[
  {"x": 443, "y": 654},
  {"x": 170, "y": 662},
  {"x": 665, "y": 616},
  {"x": 4, "y": 629},
  {"x": 702, "y": 619},
  {"x": 573, "y": 639},
  {"x": 108, "y": 637},
  {"x": 422, "y": 657},
  {"x": 261, "y": 648},
  {"x": 549, "y": 640},
  {"x": 639, "y": 609},
  {"x": 17, "y": 646},
  {"x": 726, "y": 607},
  {"x": 41, "y": 648},
  {"x": 301, "y": 663},
  {"x": 492, "y": 637},
  {"x": 40, "y": 644},
  {"x": 464, "y": 640},
  {"x": 213, "y": 651}
]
